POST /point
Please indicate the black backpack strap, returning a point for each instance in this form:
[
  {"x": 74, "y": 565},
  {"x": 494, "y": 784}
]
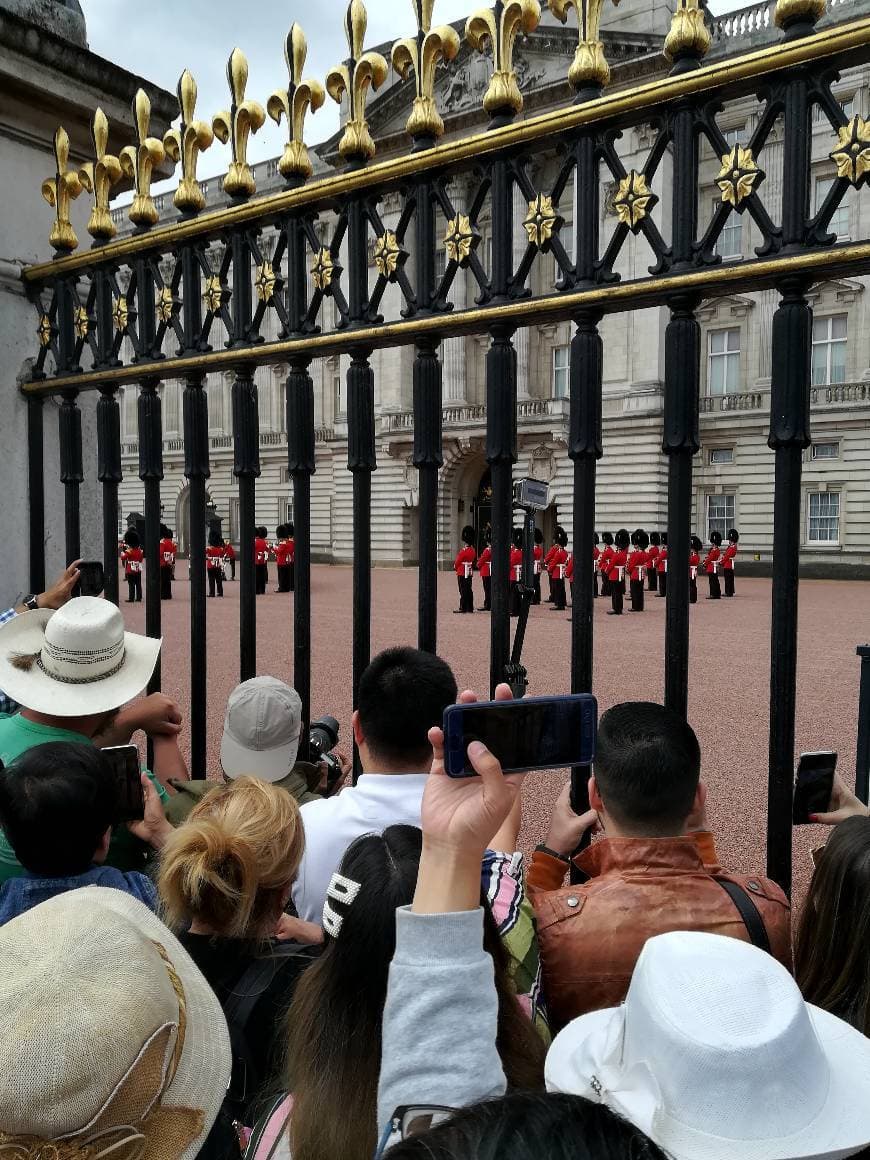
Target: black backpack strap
[{"x": 748, "y": 911}]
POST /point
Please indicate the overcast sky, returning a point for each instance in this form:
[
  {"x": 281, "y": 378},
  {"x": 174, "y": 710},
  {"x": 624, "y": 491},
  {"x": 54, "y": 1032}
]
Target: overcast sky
[{"x": 160, "y": 39}]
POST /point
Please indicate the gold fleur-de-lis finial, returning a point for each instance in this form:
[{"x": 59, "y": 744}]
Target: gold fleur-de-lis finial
[
  {"x": 422, "y": 55},
  {"x": 59, "y": 191},
  {"x": 589, "y": 69},
  {"x": 98, "y": 177},
  {"x": 185, "y": 144},
  {"x": 689, "y": 37},
  {"x": 294, "y": 103},
  {"x": 138, "y": 162},
  {"x": 499, "y": 27},
  {"x": 361, "y": 72},
  {"x": 236, "y": 125}
]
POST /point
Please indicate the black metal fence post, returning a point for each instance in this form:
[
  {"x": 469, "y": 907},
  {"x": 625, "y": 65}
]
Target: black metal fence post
[
  {"x": 36, "y": 491},
  {"x": 862, "y": 753},
  {"x": 246, "y": 444},
  {"x": 428, "y": 458},
  {"x": 501, "y": 455},
  {"x": 150, "y": 422},
  {"x": 361, "y": 461},
  {"x": 196, "y": 469},
  {"x": 110, "y": 475},
  {"x": 301, "y": 464},
  {"x": 71, "y": 473}
]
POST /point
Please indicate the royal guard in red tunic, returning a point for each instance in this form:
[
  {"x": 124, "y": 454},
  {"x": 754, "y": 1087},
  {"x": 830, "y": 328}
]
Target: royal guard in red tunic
[
  {"x": 616, "y": 572},
  {"x": 652, "y": 573},
  {"x": 636, "y": 566},
  {"x": 261, "y": 559},
  {"x": 463, "y": 566},
  {"x": 712, "y": 564},
  {"x": 230, "y": 555},
  {"x": 604, "y": 561},
  {"x": 538, "y": 557},
  {"x": 728, "y": 561},
  {"x": 285, "y": 555},
  {"x": 569, "y": 574},
  {"x": 484, "y": 566},
  {"x": 548, "y": 558},
  {"x": 596, "y": 556},
  {"x": 166, "y": 553},
  {"x": 132, "y": 557},
  {"x": 662, "y": 564},
  {"x": 516, "y": 570},
  {"x": 214, "y": 563},
  {"x": 694, "y": 565},
  {"x": 558, "y": 566}
]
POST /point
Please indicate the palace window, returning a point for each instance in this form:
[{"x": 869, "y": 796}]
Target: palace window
[
  {"x": 561, "y": 371},
  {"x": 440, "y": 264},
  {"x": 826, "y": 450},
  {"x": 719, "y": 455},
  {"x": 339, "y": 394},
  {"x": 720, "y": 514},
  {"x": 848, "y": 109},
  {"x": 823, "y": 517},
  {"x": 729, "y": 242},
  {"x": 829, "y": 350},
  {"x": 723, "y": 361},
  {"x": 566, "y": 237},
  {"x": 839, "y": 223}
]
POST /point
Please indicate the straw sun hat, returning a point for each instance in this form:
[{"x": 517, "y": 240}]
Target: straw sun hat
[
  {"x": 76, "y": 661},
  {"x": 112, "y": 1044},
  {"x": 715, "y": 1056}
]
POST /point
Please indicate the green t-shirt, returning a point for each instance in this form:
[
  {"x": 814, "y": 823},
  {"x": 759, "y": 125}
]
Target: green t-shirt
[{"x": 17, "y": 735}]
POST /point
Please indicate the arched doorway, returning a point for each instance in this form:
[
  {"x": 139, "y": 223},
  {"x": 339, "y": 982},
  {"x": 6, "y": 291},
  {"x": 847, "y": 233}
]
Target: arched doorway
[
  {"x": 182, "y": 519},
  {"x": 482, "y": 511}
]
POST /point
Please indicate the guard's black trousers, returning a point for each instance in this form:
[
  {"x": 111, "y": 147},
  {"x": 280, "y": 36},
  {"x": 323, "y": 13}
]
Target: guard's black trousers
[
  {"x": 663, "y": 583},
  {"x": 165, "y": 583},
  {"x": 215, "y": 580},
  {"x": 466, "y": 594},
  {"x": 262, "y": 578},
  {"x": 134, "y": 586},
  {"x": 652, "y": 579},
  {"x": 557, "y": 587},
  {"x": 637, "y": 595},
  {"x": 715, "y": 587},
  {"x": 729, "y": 581},
  {"x": 617, "y": 594},
  {"x": 487, "y": 593}
]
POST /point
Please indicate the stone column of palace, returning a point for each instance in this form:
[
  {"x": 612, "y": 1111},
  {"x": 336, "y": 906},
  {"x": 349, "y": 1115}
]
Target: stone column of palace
[
  {"x": 453, "y": 349},
  {"x": 521, "y": 337}
]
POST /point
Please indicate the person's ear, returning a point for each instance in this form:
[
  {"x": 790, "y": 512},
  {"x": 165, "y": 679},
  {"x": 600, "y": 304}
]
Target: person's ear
[
  {"x": 358, "y": 735},
  {"x": 594, "y": 796},
  {"x": 102, "y": 850}
]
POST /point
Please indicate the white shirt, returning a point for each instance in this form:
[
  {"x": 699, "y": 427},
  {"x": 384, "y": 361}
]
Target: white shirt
[{"x": 378, "y": 800}]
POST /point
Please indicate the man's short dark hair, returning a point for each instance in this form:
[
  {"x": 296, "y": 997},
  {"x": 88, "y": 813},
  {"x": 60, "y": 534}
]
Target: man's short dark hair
[
  {"x": 402, "y": 694},
  {"x": 647, "y": 767},
  {"x": 56, "y": 803}
]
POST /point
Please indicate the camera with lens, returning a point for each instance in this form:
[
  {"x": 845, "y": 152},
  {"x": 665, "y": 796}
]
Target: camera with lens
[{"x": 322, "y": 738}]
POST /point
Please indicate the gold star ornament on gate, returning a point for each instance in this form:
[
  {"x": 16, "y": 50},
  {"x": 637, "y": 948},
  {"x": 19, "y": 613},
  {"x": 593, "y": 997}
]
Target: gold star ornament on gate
[
  {"x": 852, "y": 154},
  {"x": 322, "y": 269},
  {"x": 213, "y": 294},
  {"x": 541, "y": 221},
  {"x": 165, "y": 305},
  {"x": 461, "y": 238},
  {"x": 120, "y": 313},
  {"x": 81, "y": 322},
  {"x": 738, "y": 175},
  {"x": 264, "y": 282},
  {"x": 634, "y": 199},
  {"x": 43, "y": 330},
  {"x": 389, "y": 255}
]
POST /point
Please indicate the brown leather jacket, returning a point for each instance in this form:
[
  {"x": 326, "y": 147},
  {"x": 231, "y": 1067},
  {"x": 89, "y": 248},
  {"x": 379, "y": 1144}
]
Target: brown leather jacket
[{"x": 591, "y": 935}]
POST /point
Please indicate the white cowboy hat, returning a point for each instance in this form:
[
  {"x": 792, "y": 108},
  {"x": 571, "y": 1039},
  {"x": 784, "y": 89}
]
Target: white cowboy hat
[
  {"x": 715, "y": 1056},
  {"x": 111, "y": 1040},
  {"x": 76, "y": 661}
]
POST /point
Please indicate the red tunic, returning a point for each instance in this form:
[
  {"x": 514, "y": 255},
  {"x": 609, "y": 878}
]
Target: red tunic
[
  {"x": 694, "y": 561},
  {"x": 605, "y": 557},
  {"x": 516, "y": 564},
  {"x": 464, "y": 562},
  {"x": 229, "y": 552},
  {"x": 261, "y": 550},
  {"x": 711, "y": 560},
  {"x": 132, "y": 559},
  {"x": 569, "y": 568},
  {"x": 560, "y": 558},
  {"x": 484, "y": 562},
  {"x": 653, "y": 555},
  {"x": 285, "y": 552},
  {"x": 538, "y": 555},
  {"x": 637, "y": 564},
  {"x": 662, "y": 562},
  {"x": 728, "y": 557},
  {"x": 213, "y": 557},
  {"x": 618, "y": 561},
  {"x": 168, "y": 550}
]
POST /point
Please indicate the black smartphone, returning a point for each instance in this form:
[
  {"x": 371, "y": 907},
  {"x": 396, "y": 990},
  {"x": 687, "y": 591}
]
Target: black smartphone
[
  {"x": 92, "y": 579},
  {"x": 124, "y": 762},
  {"x": 813, "y": 785},
  {"x": 534, "y": 733}
]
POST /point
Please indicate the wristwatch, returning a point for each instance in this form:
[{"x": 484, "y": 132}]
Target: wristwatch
[
  {"x": 542, "y": 849},
  {"x": 31, "y": 603}
]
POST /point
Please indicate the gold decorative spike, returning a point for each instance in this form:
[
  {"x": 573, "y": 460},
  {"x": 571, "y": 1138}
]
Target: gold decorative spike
[
  {"x": 634, "y": 199},
  {"x": 688, "y": 34},
  {"x": 98, "y": 177},
  {"x": 542, "y": 220},
  {"x": 165, "y": 305},
  {"x": 265, "y": 282},
  {"x": 323, "y": 269},
  {"x": 852, "y": 155},
  {"x": 460, "y": 239},
  {"x": 294, "y": 103},
  {"x": 121, "y": 313},
  {"x": 138, "y": 162},
  {"x": 59, "y": 191},
  {"x": 43, "y": 330},
  {"x": 389, "y": 255},
  {"x": 421, "y": 56},
  {"x": 81, "y": 322},
  {"x": 789, "y": 12},
  {"x": 738, "y": 175},
  {"x": 213, "y": 294},
  {"x": 589, "y": 69},
  {"x": 361, "y": 72},
  {"x": 185, "y": 144},
  {"x": 500, "y": 27},
  {"x": 236, "y": 126}
]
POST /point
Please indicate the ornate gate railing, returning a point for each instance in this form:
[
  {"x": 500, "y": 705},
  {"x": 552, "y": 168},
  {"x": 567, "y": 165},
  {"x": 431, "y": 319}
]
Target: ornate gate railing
[{"x": 84, "y": 315}]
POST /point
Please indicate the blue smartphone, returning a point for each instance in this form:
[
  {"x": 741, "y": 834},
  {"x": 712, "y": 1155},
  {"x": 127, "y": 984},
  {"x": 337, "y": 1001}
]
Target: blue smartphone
[{"x": 534, "y": 733}]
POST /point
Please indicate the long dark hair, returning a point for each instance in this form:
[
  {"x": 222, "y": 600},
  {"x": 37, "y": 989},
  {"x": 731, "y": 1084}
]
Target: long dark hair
[
  {"x": 526, "y": 1126},
  {"x": 334, "y": 1022},
  {"x": 832, "y": 966}
]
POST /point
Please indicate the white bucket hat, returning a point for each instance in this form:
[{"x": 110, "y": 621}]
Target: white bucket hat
[
  {"x": 111, "y": 1040},
  {"x": 261, "y": 729},
  {"x": 715, "y": 1056},
  {"x": 76, "y": 661}
]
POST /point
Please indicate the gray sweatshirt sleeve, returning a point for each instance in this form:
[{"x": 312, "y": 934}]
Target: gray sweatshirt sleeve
[{"x": 441, "y": 1015}]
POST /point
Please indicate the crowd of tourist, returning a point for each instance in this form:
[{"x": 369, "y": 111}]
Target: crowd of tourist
[{"x": 278, "y": 967}]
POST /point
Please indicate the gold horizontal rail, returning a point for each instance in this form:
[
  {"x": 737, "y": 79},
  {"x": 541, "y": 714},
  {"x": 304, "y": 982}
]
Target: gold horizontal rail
[
  {"x": 757, "y": 275},
  {"x": 840, "y": 41}
]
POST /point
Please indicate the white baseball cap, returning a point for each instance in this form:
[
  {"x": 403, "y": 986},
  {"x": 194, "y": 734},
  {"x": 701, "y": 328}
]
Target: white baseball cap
[
  {"x": 261, "y": 729},
  {"x": 715, "y": 1056}
]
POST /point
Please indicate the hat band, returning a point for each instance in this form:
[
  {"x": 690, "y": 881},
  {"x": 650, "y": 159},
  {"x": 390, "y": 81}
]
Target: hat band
[{"x": 67, "y": 680}]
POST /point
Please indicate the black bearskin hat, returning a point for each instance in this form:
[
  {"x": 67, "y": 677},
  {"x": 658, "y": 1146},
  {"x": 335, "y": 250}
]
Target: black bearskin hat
[
  {"x": 607, "y": 538},
  {"x": 655, "y": 539},
  {"x": 131, "y": 538},
  {"x": 539, "y": 536},
  {"x": 642, "y": 539},
  {"x": 215, "y": 539},
  {"x": 663, "y": 539},
  {"x": 622, "y": 538},
  {"x": 468, "y": 534},
  {"x": 165, "y": 532},
  {"x": 716, "y": 538},
  {"x": 517, "y": 537},
  {"x": 289, "y": 530},
  {"x": 595, "y": 537},
  {"x": 733, "y": 535},
  {"x": 696, "y": 544},
  {"x": 562, "y": 538}
]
